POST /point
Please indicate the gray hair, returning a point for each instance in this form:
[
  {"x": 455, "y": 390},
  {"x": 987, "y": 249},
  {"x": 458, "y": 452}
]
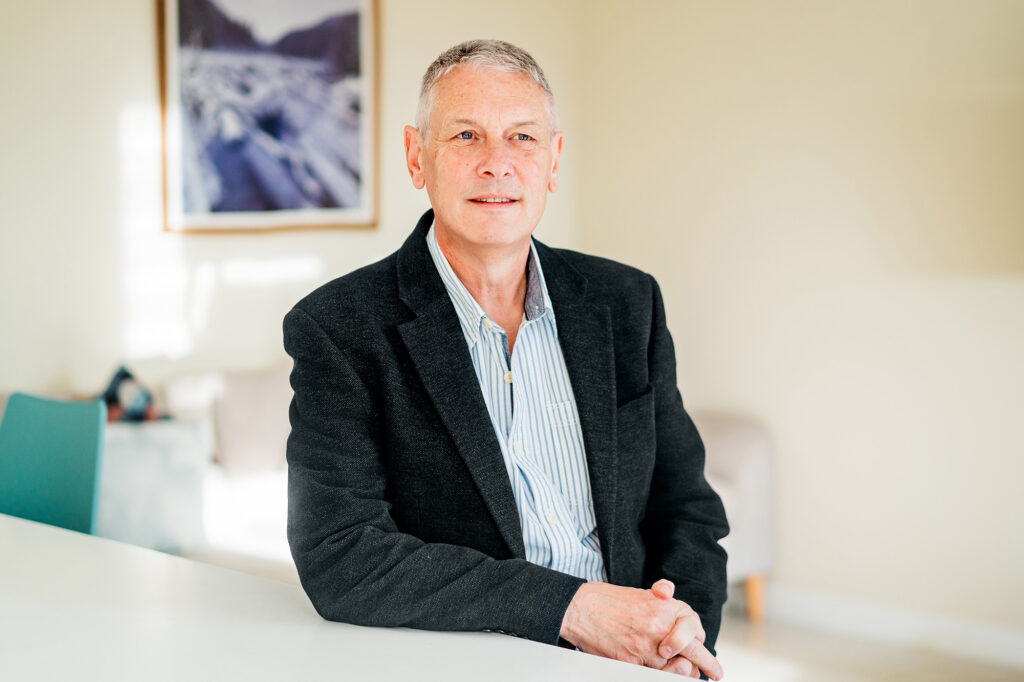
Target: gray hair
[{"x": 485, "y": 54}]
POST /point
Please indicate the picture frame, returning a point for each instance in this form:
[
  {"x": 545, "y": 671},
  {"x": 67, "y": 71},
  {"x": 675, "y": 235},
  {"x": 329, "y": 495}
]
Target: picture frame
[{"x": 270, "y": 114}]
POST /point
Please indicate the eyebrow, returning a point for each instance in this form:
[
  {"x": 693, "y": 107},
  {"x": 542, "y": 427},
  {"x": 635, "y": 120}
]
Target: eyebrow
[{"x": 471, "y": 122}]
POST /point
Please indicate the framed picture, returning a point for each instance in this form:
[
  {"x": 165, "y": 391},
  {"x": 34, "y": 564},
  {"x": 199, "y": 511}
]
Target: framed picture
[{"x": 269, "y": 114}]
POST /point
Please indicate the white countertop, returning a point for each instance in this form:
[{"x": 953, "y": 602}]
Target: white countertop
[{"x": 74, "y": 606}]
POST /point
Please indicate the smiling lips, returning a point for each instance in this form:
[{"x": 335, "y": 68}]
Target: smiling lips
[{"x": 494, "y": 200}]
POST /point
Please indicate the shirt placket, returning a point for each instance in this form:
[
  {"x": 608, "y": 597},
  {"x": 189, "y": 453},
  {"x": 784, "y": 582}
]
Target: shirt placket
[
  {"x": 503, "y": 368},
  {"x": 549, "y": 506}
]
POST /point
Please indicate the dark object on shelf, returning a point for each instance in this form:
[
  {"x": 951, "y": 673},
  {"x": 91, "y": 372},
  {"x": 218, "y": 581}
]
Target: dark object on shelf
[{"x": 127, "y": 400}]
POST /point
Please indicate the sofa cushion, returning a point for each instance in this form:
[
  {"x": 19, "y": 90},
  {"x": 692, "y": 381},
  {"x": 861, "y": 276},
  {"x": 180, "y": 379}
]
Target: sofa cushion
[{"x": 251, "y": 418}]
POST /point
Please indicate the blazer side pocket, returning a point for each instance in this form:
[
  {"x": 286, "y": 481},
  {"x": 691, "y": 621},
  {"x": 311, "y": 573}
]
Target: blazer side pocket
[
  {"x": 636, "y": 411},
  {"x": 637, "y": 445}
]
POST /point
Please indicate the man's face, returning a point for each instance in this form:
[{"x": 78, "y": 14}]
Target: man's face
[{"x": 489, "y": 157}]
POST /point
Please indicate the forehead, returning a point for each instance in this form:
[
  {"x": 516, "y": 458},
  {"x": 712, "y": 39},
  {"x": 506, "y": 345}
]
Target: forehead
[{"x": 471, "y": 92}]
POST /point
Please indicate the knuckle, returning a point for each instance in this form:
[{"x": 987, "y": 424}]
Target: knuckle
[
  {"x": 658, "y": 663},
  {"x": 664, "y": 611},
  {"x": 680, "y": 666},
  {"x": 651, "y": 656},
  {"x": 629, "y": 653},
  {"x": 629, "y": 657}
]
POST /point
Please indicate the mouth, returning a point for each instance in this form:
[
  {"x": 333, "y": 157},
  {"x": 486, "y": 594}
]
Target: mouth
[{"x": 493, "y": 200}]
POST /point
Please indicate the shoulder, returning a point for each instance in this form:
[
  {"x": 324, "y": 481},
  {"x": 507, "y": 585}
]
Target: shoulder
[
  {"x": 627, "y": 295},
  {"x": 607, "y": 281},
  {"x": 364, "y": 297}
]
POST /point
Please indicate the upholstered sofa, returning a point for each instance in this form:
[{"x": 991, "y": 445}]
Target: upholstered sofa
[{"x": 739, "y": 461}]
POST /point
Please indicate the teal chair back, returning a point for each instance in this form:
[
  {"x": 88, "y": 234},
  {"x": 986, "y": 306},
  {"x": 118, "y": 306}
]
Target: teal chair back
[{"x": 50, "y": 454}]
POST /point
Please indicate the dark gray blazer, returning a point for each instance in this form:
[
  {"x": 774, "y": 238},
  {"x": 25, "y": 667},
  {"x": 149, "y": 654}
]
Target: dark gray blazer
[{"x": 400, "y": 512}]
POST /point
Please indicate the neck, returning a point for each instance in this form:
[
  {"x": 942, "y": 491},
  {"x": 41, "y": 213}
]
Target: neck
[{"x": 494, "y": 276}]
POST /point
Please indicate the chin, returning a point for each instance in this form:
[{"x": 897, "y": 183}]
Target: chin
[
  {"x": 503, "y": 236},
  {"x": 496, "y": 232}
]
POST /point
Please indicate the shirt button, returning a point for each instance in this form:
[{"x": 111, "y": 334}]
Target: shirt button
[
  {"x": 552, "y": 519},
  {"x": 508, "y": 377},
  {"x": 488, "y": 323},
  {"x": 518, "y": 447}
]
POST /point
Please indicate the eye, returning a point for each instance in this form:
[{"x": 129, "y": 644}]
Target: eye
[
  {"x": 522, "y": 137},
  {"x": 465, "y": 135}
]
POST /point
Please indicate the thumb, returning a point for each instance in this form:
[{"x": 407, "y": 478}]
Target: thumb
[{"x": 663, "y": 589}]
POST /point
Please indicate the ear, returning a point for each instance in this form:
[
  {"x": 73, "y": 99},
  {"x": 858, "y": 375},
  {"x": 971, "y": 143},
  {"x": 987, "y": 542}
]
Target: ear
[
  {"x": 413, "y": 150},
  {"x": 556, "y": 151}
]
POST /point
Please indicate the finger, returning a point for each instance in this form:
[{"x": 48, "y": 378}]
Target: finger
[
  {"x": 653, "y": 661},
  {"x": 684, "y": 609},
  {"x": 703, "y": 659},
  {"x": 663, "y": 589},
  {"x": 684, "y": 631},
  {"x": 681, "y": 666}
]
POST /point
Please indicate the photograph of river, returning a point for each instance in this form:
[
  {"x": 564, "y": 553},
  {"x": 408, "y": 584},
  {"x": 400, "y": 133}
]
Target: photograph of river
[{"x": 268, "y": 113}]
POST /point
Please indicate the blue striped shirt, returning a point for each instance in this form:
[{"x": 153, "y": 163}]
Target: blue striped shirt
[{"x": 539, "y": 430}]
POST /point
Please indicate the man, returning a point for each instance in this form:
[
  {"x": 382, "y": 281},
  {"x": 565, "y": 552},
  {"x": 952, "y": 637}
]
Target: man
[{"x": 486, "y": 432}]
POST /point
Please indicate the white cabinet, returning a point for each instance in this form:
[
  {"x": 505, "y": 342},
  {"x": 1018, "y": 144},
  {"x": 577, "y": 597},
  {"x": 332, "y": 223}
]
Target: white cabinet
[{"x": 151, "y": 483}]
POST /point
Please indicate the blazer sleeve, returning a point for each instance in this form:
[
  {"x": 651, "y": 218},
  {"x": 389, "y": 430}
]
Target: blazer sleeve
[
  {"x": 684, "y": 518},
  {"x": 354, "y": 563}
]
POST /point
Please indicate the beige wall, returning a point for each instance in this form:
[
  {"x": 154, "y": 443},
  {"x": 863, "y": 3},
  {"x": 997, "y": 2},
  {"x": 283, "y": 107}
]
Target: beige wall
[
  {"x": 832, "y": 198},
  {"x": 89, "y": 279},
  {"x": 827, "y": 192}
]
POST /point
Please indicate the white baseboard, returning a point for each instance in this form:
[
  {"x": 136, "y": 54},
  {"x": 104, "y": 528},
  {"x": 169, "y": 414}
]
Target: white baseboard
[{"x": 836, "y": 614}]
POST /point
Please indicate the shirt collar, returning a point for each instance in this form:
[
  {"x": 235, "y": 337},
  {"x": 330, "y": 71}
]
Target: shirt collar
[{"x": 537, "y": 302}]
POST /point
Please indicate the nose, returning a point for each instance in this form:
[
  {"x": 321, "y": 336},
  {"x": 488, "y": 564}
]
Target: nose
[{"x": 496, "y": 161}]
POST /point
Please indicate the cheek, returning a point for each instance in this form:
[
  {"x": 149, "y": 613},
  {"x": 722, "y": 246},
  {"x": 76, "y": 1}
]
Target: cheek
[
  {"x": 541, "y": 174},
  {"x": 454, "y": 166}
]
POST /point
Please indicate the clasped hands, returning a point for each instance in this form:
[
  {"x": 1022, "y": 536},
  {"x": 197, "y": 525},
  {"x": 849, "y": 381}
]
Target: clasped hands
[{"x": 645, "y": 627}]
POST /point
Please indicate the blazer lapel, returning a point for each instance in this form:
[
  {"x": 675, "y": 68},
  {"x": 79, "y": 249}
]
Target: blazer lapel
[
  {"x": 438, "y": 350},
  {"x": 585, "y": 334}
]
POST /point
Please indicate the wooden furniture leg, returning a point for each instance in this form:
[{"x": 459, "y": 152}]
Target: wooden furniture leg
[{"x": 753, "y": 587}]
